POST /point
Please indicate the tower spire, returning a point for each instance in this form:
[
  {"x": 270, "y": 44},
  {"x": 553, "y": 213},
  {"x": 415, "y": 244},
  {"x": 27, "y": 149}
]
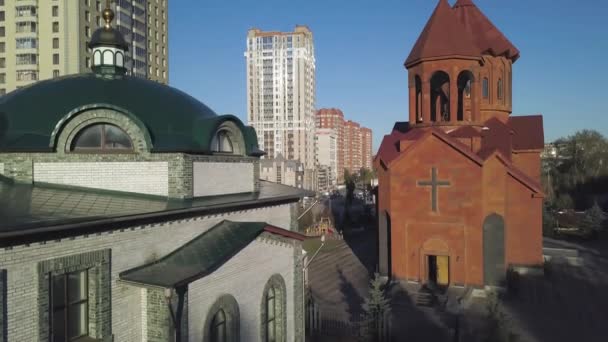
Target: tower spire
[{"x": 108, "y": 15}]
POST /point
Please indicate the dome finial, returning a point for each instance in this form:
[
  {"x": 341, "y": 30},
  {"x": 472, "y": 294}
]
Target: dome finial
[{"x": 108, "y": 14}]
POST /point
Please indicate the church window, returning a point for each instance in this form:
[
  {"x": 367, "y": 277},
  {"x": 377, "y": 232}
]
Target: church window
[
  {"x": 486, "y": 88},
  {"x": 273, "y": 310},
  {"x": 102, "y": 138},
  {"x": 499, "y": 90},
  {"x": 74, "y": 293},
  {"x": 223, "y": 143},
  {"x": 70, "y": 302},
  {"x": 467, "y": 89},
  {"x": 218, "y": 327},
  {"x": 222, "y": 324}
]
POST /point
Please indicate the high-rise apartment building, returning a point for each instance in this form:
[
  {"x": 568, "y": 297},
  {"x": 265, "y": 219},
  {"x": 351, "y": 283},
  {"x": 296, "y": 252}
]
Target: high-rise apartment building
[
  {"x": 281, "y": 94},
  {"x": 366, "y": 148},
  {"x": 354, "y": 143},
  {"x": 42, "y": 39}
]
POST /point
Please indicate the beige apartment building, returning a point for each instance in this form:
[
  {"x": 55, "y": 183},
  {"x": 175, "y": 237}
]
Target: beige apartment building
[
  {"x": 43, "y": 39},
  {"x": 281, "y": 95},
  {"x": 327, "y": 158}
]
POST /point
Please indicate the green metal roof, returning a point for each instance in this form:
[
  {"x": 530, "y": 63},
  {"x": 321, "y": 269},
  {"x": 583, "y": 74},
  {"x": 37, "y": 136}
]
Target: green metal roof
[
  {"x": 27, "y": 211},
  {"x": 197, "y": 258},
  {"x": 177, "y": 122}
]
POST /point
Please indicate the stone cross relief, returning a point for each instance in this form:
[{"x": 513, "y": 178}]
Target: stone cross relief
[{"x": 434, "y": 183}]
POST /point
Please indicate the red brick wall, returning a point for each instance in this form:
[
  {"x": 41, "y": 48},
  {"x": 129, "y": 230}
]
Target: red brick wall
[
  {"x": 529, "y": 163},
  {"x": 524, "y": 236},
  {"x": 456, "y": 223}
]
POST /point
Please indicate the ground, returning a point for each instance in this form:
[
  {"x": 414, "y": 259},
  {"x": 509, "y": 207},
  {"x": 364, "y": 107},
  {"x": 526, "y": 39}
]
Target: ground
[{"x": 567, "y": 304}]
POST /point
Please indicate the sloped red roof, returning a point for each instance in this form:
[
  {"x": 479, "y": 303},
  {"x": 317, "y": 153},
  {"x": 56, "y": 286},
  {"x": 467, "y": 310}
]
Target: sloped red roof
[
  {"x": 528, "y": 133},
  {"x": 464, "y": 132},
  {"x": 443, "y": 36},
  {"x": 486, "y": 36},
  {"x": 496, "y": 137}
]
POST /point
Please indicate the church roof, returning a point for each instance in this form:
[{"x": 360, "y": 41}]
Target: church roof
[
  {"x": 462, "y": 30},
  {"x": 528, "y": 133},
  {"x": 486, "y": 36},
  {"x": 443, "y": 36},
  {"x": 177, "y": 122},
  {"x": 202, "y": 255},
  {"x": 498, "y": 139},
  {"x": 29, "y": 211}
]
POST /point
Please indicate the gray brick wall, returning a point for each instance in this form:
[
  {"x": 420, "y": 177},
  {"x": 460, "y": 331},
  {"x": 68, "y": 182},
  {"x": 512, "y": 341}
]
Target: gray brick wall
[
  {"x": 211, "y": 179},
  {"x": 244, "y": 279},
  {"x": 149, "y": 178},
  {"x": 130, "y": 248},
  {"x": 1, "y": 168}
]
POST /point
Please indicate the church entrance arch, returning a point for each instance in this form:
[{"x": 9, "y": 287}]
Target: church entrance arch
[
  {"x": 436, "y": 262},
  {"x": 494, "y": 250}
]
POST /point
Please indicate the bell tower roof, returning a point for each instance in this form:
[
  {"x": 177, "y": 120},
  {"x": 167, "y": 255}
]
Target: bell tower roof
[
  {"x": 489, "y": 38},
  {"x": 442, "y": 37}
]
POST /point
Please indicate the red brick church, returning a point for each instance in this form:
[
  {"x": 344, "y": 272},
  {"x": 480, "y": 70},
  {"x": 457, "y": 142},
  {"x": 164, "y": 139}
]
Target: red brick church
[{"x": 460, "y": 199}]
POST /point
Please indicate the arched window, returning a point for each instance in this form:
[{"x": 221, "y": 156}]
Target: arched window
[
  {"x": 108, "y": 57},
  {"x": 440, "y": 97},
  {"x": 222, "y": 322},
  {"x": 120, "y": 59},
  {"x": 418, "y": 84},
  {"x": 273, "y": 310},
  {"x": 222, "y": 142},
  {"x": 102, "y": 138},
  {"x": 486, "y": 88},
  {"x": 271, "y": 322},
  {"x": 97, "y": 58},
  {"x": 218, "y": 327},
  {"x": 465, "y": 79},
  {"x": 499, "y": 90}
]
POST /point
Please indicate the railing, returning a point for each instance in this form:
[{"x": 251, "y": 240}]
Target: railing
[{"x": 324, "y": 322}]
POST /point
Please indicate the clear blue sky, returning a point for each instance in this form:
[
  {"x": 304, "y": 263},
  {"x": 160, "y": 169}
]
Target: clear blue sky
[{"x": 361, "y": 46}]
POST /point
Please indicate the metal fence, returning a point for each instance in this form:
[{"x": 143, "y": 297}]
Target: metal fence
[{"x": 324, "y": 322}]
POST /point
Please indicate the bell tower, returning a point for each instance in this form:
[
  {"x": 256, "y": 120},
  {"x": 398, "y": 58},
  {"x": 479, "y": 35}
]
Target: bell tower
[{"x": 459, "y": 70}]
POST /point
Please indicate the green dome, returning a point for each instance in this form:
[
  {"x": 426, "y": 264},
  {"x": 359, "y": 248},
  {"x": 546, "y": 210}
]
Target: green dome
[{"x": 175, "y": 121}]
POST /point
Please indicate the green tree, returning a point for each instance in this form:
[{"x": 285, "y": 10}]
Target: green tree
[
  {"x": 350, "y": 181},
  {"x": 549, "y": 221},
  {"x": 594, "y": 219},
  {"x": 375, "y": 307}
]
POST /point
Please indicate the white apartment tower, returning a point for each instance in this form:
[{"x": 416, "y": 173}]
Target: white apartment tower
[
  {"x": 281, "y": 94},
  {"x": 42, "y": 39}
]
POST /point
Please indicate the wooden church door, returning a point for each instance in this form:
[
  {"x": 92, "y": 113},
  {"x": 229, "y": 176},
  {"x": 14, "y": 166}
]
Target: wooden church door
[
  {"x": 443, "y": 270},
  {"x": 494, "y": 250}
]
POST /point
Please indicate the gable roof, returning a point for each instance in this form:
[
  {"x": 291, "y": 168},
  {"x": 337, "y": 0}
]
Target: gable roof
[
  {"x": 202, "y": 255},
  {"x": 486, "y": 36},
  {"x": 516, "y": 173},
  {"x": 443, "y": 36},
  {"x": 528, "y": 133}
]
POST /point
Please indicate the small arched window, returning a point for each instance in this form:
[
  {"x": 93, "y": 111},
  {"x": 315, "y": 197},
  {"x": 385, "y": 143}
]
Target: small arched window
[
  {"x": 108, "y": 57},
  {"x": 486, "y": 88},
  {"x": 499, "y": 90},
  {"x": 97, "y": 58},
  {"x": 273, "y": 311},
  {"x": 222, "y": 142},
  {"x": 120, "y": 59},
  {"x": 102, "y": 138},
  {"x": 271, "y": 322},
  {"x": 218, "y": 327}
]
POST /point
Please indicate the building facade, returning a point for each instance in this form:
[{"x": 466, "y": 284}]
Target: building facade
[
  {"x": 130, "y": 211},
  {"x": 354, "y": 142},
  {"x": 283, "y": 171},
  {"x": 46, "y": 39},
  {"x": 281, "y": 94},
  {"x": 460, "y": 199},
  {"x": 327, "y": 158}
]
